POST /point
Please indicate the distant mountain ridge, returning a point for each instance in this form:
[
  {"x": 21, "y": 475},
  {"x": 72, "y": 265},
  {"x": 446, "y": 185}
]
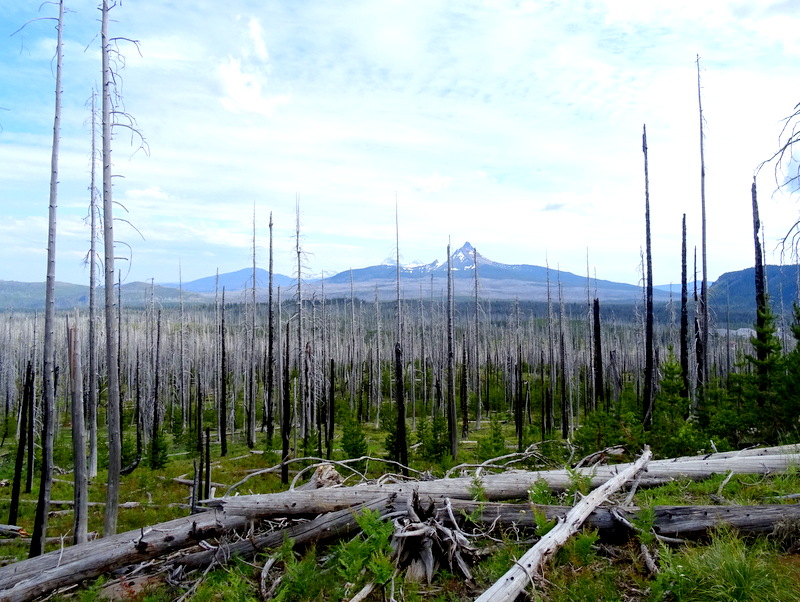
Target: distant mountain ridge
[
  {"x": 495, "y": 280},
  {"x": 732, "y": 291}
]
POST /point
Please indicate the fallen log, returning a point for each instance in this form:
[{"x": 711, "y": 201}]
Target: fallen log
[
  {"x": 326, "y": 526},
  {"x": 512, "y": 484},
  {"x": 526, "y": 569},
  {"x": 673, "y": 521},
  {"x": 27, "y": 579}
]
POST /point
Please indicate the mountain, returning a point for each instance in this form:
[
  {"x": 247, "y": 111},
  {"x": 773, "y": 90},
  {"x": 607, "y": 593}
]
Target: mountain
[
  {"x": 731, "y": 297},
  {"x": 234, "y": 281},
  {"x": 738, "y": 289},
  {"x": 495, "y": 280},
  {"x": 29, "y": 296}
]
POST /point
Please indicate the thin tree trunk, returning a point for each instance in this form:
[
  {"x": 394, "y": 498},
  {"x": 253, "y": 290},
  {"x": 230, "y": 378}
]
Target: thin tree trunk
[
  {"x": 762, "y": 352},
  {"x": 270, "y": 347},
  {"x": 156, "y": 437},
  {"x": 703, "y": 371},
  {"x": 26, "y": 410},
  {"x": 647, "y": 401},
  {"x": 402, "y": 439},
  {"x": 599, "y": 386},
  {"x": 285, "y": 413},
  {"x": 112, "y": 363},
  {"x": 223, "y": 384},
  {"x": 451, "y": 377},
  {"x": 49, "y": 405},
  {"x": 251, "y": 352},
  {"x": 81, "y": 479},
  {"x": 684, "y": 346},
  {"x": 91, "y": 404},
  {"x": 331, "y": 411}
]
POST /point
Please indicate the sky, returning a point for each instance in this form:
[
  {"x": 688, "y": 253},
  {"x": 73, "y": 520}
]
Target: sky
[{"x": 514, "y": 125}]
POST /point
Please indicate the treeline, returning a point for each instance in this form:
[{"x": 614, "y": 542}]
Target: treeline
[{"x": 554, "y": 371}]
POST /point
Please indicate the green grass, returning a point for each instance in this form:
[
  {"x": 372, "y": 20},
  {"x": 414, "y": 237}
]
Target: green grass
[{"x": 726, "y": 567}]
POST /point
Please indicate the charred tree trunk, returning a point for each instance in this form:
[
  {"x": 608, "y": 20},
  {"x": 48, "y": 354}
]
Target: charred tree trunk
[
  {"x": 762, "y": 348},
  {"x": 684, "y": 334},
  {"x": 26, "y": 411}
]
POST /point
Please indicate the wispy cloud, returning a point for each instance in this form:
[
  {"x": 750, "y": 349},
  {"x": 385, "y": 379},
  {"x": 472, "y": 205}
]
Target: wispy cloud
[{"x": 513, "y": 124}]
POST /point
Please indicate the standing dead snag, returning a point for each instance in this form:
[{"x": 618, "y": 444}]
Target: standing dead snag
[
  {"x": 49, "y": 369},
  {"x": 526, "y": 569}
]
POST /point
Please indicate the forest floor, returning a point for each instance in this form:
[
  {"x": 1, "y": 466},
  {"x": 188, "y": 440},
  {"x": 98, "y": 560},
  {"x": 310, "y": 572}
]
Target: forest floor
[{"x": 725, "y": 565}]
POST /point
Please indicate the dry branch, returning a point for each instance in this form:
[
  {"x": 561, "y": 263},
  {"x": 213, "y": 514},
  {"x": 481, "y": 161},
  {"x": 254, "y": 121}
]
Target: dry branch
[{"x": 526, "y": 569}]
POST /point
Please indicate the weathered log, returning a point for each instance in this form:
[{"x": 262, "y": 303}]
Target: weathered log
[
  {"x": 526, "y": 569},
  {"x": 512, "y": 484},
  {"x": 34, "y": 577},
  {"x": 326, "y": 526},
  {"x": 672, "y": 521}
]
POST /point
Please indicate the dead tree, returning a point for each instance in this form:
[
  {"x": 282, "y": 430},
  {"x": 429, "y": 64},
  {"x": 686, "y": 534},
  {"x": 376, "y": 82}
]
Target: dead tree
[
  {"x": 647, "y": 401},
  {"x": 81, "y": 479},
  {"x": 684, "y": 333},
  {"x": 451, "y": 377},
  {"x": 270, "y": 348},
  {"x": 599, "y": 385},
  {"x": 702, "y": 372},
  {"x": 49, "y": 405}
]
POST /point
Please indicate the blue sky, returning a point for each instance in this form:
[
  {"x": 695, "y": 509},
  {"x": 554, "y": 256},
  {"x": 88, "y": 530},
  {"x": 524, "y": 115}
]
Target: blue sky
[{"x": 513, "y": 125}]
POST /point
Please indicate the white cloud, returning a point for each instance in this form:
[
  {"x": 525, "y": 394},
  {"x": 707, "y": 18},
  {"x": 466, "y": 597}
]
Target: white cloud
[
  {"x": 257, "y": 36},
  {"x": 245, "y": 91}
]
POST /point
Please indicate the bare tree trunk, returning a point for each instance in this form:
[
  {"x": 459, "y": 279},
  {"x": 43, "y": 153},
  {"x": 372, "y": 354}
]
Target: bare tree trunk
[
  {"x": 599, "y": 386},
  {"x": 49, "y": 406},
  {"x": 112, "y": 364},
  {"x": 762, "y": 351},
  {"x": 81, "y": 479},
  {"x": 477, "y": 347},
  {"x": 647, "y": 401},
  {"x": 223, "y": 384},
  {"x": 402, "y": 439},
  {"x": 251, "y": 353},
  {"x": 285, "y": 413},
  {"x": 156, "y": 437},
  {"x": 451, "y": 377},
  {"x": 91, "y": 404},
  {"x": 684, "y": 347},
  {"x": 331, "y": 411},
  {"x": 27, "y": 411},
  {"x": 704, "y": 325},
  {"x": 270, "y": 348},
  {"x": 300, "y": 393}
]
